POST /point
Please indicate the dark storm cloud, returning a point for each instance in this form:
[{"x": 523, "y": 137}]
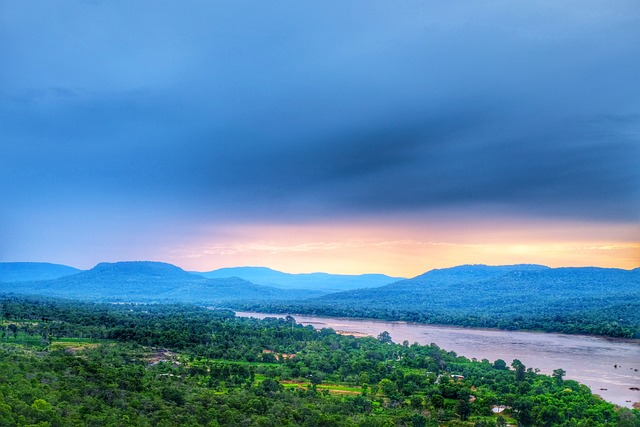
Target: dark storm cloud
[{"x": 323, "y": 110}]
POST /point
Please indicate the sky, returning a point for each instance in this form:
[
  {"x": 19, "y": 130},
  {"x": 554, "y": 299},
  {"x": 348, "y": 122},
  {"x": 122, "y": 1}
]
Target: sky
[{"x": 338, "y": 136}]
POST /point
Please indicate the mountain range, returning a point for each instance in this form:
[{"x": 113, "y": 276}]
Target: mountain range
[
  {"x": 506, "y": 288},
  {"x": 603, "y": 301},
  {"x": 511, "y": 297},
  {"x": 317, "y": 281},
  {"x": 146, "y": 281},
  {"x": 29, "y": 271}
]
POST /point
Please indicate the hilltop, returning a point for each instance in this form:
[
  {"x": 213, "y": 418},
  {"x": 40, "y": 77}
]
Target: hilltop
[{"x": 147, "y": 281}]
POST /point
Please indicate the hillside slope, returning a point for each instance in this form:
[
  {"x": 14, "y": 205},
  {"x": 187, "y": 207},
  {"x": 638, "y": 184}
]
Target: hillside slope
[{"x": 29, "y": 271}]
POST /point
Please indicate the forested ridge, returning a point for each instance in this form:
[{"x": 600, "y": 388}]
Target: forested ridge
[
  {"x": 65, "y": 363},
  {"x": 585, "y": 300},
  {"x": 593, "y": 301}
]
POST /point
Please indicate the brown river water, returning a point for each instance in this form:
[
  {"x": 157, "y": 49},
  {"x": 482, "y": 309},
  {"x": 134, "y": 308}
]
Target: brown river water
[{"x": 586, "y": 359}]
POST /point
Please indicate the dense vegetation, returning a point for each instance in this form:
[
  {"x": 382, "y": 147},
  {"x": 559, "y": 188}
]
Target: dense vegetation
[
  {"x": 68, "y": 363},
  {"x": 569, "y": 300}
]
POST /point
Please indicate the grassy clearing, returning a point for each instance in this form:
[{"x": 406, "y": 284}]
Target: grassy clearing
[
  {"x": 340, "y": 388},
  {"x": 230, "y": 362},
  {"x": 22, "y": 339},
  {"x": 330, "y": 387},
  {"x": 73, "y": 344},
  {"x": 18, "y": 322}
]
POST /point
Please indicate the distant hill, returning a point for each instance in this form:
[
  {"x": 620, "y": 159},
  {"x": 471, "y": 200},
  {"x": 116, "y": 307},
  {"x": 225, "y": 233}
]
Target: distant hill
[
  {"x": 146, "y": 281},
  {"x": 585, "y": 300},
  {"x": 315, "y": 281},
  {"x": 504, "y": 288},
  {"x": 30, "y": 271}
]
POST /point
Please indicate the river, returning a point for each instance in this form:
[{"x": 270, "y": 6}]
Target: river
[{"x": 586, "y": 359}]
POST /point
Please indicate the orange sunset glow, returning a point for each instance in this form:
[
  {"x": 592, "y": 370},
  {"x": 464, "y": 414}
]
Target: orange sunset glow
[{"x": 412, "y": 249}]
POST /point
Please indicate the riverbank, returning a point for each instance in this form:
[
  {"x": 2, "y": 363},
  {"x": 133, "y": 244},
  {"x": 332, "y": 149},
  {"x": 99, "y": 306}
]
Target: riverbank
[{"x": 587, "y": 359}]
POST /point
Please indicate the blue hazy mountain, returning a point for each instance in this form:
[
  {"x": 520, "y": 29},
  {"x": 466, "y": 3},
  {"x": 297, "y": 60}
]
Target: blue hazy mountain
[
  {"x": 579, "y": 299},
  {"x": 478, "y": 288},
  {"x": 146, "y": 281},
  {"x": 315, "y": 281},
  {"x": 30, "y": 271}
]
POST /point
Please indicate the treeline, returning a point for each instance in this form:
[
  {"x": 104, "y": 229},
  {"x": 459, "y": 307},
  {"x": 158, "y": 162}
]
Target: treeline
[
  {"x": 64, "y": 363},
  {"x": 616, "y": 321}
]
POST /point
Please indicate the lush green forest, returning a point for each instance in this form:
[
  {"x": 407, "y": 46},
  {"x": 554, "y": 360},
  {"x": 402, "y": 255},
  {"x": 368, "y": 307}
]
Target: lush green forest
[
  {"x": 68, "y": 363},
  {"x": 569, "y": 300}
]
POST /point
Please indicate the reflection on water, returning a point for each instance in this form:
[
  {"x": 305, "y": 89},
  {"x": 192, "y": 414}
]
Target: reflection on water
[{"x": 589, "y": 360}]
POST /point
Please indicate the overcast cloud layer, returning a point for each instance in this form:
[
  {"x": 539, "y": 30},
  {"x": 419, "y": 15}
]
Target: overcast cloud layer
[{"x": 300, "y": 111}]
